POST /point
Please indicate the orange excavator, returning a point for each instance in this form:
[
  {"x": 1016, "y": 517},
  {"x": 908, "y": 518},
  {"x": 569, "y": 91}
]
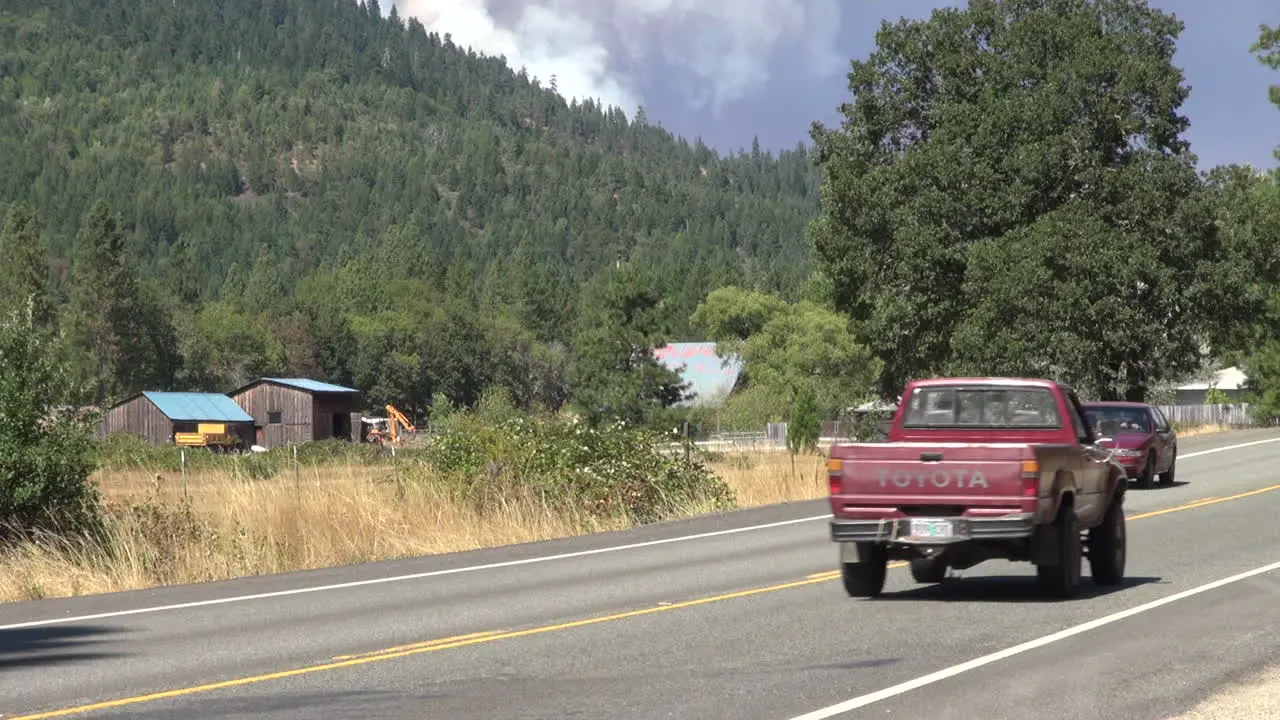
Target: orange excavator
[{"x": 395, "y": 420}]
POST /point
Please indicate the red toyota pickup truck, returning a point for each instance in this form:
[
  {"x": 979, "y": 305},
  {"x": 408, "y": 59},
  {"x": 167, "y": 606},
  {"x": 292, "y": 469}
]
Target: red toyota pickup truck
[{"x": 975, "y": 469}]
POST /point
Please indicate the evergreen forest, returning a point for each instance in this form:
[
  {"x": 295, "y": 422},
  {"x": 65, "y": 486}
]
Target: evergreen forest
[{"x": 198, "y": 194}]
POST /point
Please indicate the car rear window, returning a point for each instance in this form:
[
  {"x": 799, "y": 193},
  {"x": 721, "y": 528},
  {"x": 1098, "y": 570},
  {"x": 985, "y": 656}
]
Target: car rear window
[
  {"x": 982, "y": 407},
  {"x": 1111, "y": 420}
]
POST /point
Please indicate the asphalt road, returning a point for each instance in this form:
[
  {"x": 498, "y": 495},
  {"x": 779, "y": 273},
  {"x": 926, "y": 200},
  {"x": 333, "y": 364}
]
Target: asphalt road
[{"x": 726, "y": 625}]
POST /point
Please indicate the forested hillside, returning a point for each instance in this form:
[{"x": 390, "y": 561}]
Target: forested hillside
[
  {"x": 198, "y": 194},
  {"x": 227, "y": 190}
]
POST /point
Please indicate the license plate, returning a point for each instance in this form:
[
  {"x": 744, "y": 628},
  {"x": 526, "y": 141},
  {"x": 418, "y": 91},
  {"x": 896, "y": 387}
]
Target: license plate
[{"x": 931, "y": 528}]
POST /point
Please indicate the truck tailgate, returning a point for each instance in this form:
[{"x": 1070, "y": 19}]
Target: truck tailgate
[{"x": 962, "y": 474}]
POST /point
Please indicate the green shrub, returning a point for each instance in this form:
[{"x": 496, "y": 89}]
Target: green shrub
[
  {"x": 606, "y": 471},
  {"x": 122, "y": 451},
  {"x": 46, "y": 444},
  {"x": 258, "y": 466},
  {"x": 804, "y": 427},
  {"x": 331, "y": 451}
]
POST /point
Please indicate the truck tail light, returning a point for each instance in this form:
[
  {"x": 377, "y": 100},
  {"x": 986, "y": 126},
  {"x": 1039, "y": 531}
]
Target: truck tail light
[
  {"x": 834, "y": 467},
  {"x": 1030, "y": 478}
]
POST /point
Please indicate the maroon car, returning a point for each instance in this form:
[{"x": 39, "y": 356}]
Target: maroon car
[{"x": 1148, "y": 446}]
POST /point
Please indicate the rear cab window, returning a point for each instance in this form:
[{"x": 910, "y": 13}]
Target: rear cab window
[
  {"x": 1078, "y": 420},
  {"x": 982, "y": 407}
]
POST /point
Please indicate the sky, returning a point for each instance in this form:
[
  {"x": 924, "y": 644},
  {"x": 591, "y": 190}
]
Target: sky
[{"x": 728, "y": 71}]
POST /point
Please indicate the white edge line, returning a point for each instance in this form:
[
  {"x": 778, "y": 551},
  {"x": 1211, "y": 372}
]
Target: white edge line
[
  {"x": 976, "y": 663},
  {"x": 412, "y": 576},
  {"x": 1211, "y": 451},
  {"x": 475, "y": 568}
]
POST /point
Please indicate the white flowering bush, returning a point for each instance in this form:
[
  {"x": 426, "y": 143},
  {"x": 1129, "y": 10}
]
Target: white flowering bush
[{"x": 605, "y": 471}]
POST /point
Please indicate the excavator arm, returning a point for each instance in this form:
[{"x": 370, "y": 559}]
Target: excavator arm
[{"x": 395, "y": 417}]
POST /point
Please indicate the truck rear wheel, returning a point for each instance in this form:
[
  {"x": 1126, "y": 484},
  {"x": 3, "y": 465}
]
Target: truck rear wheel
[
  {"x": 1107, "y": 546},
  {"x": 1062, "y": 578},
  {"x": 928, "y": 570},
  {"x": 865, "y": 578}
]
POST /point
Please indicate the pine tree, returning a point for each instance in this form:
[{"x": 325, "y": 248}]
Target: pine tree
[
  {"x": 124, "y": 335},
  {"x": 24, "y": 261},
  {"x": 616, "y": 374},
  {"x": 100, "y": 286}
]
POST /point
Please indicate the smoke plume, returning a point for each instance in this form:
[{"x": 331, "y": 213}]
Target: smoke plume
[{"x": 714, "y": 51}]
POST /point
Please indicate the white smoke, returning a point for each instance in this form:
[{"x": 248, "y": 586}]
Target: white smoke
[{"x": 717, "y": 51}]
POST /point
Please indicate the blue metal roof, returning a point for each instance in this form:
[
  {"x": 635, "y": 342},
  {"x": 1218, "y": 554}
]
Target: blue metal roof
[
  {"x": 197, "y": 407},
  {"x": 708, "y": 374},
  {"x": 311, "y": 385}
]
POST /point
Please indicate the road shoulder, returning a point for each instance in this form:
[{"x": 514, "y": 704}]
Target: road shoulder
[
  {"x": 1151, "y": 666},
  {"x": 1256, "y": 697}
]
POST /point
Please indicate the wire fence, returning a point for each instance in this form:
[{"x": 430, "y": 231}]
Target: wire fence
[{"x": 774, "y": 437}]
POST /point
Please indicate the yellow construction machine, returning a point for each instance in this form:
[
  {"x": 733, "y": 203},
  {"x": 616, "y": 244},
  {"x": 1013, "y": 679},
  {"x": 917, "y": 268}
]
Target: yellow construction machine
[
  {"x": 394, "y": 421},
  {"x": 210, "y": 435}
]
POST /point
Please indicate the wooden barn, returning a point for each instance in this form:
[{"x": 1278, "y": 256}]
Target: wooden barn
[
  {"x": 158, "y": 417},
  {"x": 298, "y": 410}
]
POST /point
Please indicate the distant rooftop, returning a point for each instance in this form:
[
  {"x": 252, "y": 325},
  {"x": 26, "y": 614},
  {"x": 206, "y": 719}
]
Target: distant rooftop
[
  {"x": 311, "y": 385},
  {"x": 197, "y": 406},
  {"x": 1232, "y": 378},
  {"x": 708, "y": 374}
]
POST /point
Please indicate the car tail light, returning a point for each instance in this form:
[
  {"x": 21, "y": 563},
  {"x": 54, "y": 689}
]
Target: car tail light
[
  {"x": 1030, "y": 478},
  {"x": 834, "y": 467}
]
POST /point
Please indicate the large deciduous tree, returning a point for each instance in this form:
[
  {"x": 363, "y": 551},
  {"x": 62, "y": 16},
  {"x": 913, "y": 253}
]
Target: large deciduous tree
[
  {"x": 1010, "y": 193},
  {"x": 795, "y": 356},
  {"x": 1248, "y": 220},
  {"x": 1267, "y": 50},
  {"x": 1257, "y": 216}
]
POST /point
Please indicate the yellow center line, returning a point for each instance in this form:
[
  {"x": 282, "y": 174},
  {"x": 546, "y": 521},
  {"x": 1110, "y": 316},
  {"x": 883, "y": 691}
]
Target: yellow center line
[
  {"x": 345, "y": 661},
  {"x": 1203, "y": 502},
  {"x": 424, "y": 644}
]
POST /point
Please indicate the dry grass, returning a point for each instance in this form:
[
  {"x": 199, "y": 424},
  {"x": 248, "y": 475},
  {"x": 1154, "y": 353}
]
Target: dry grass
[
  {"x": 1201, "y": 430},
  {"x": 1258, "y": 698},
  {"x": 765, "y": 478},
  {"x": 216, "y": 526}
]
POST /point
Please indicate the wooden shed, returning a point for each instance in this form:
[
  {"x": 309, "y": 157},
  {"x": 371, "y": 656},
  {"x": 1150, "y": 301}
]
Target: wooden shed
[
  {"x": 298, "y": 410},
  {"x": 158, "y": 416}
]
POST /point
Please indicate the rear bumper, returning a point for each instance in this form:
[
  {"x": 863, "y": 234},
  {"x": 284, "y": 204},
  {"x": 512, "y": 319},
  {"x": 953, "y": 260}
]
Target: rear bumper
[{"x": 963, "y": 529}]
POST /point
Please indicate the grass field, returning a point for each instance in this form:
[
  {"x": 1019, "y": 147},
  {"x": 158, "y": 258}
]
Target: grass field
[
  {"x": 167, "y": 529},
  {"x": 1186, "y": 432}
]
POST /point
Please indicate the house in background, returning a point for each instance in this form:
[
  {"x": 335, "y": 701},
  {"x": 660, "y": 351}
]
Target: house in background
[
  {"x": 1228, "y": 380},
  {"x": 158, "y": 416},
  {"x": 299, "y": 410},
  {"x": 711, "y": 378}
]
